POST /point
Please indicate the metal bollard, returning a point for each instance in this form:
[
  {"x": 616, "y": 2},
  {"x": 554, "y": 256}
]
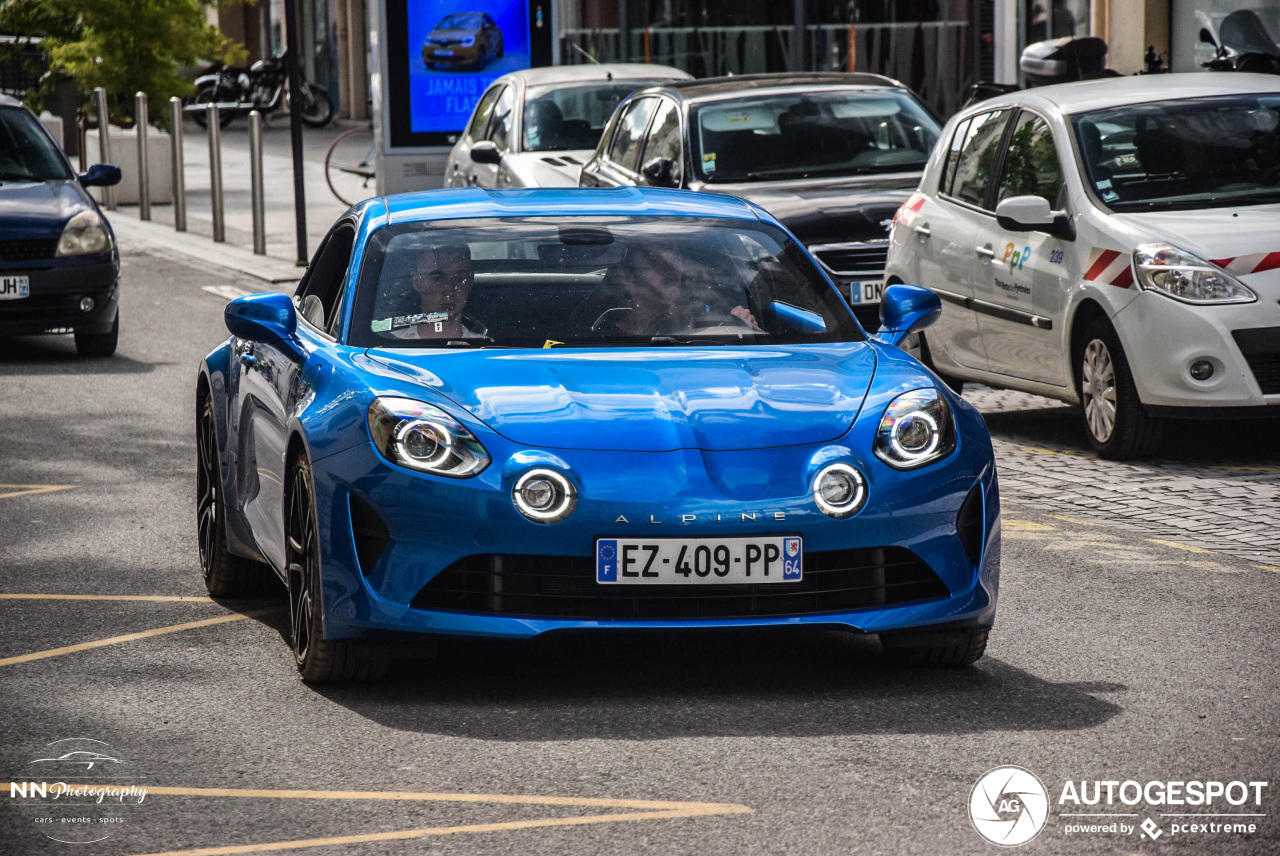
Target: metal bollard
[
  {"x": 104, "y": 144},
  {"x": 177, "y": 166},
  {"x": 215, "y": 172},
  {"x": 144, "y": 174},
  {"x": 255, "y": 180}
]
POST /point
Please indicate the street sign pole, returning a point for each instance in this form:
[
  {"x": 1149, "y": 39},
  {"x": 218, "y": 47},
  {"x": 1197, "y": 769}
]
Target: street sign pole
[{"x": 295, "y": 125}]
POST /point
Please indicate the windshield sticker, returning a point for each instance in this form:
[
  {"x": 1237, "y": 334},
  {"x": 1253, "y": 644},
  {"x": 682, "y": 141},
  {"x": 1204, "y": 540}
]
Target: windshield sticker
[
  {"x": 1109, "y": 266},
  {"x": 1110, "y": 196},
  {"x": 1105, "y": 184},
  {"x": 383, "y": 325},
  {"x": 742, "y": 116},
  {"x": 550, "y": 343},
  {"x": 708, "y": 161}
]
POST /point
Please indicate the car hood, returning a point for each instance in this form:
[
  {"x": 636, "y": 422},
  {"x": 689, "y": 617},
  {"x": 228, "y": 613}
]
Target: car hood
[
  {"x": 38, "y": 209},
  {"x": 1211, "y": 233},
  {"x": 653, "y": 399},
  {"x": 830, "y": 211},
  {"x": 545, "y": 169},
  {"x": 452, "y": 35}
]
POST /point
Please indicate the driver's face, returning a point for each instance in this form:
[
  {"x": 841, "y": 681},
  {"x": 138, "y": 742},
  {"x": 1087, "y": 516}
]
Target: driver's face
[
  {"x": 443, "y": 280},
  {"x": 652, "y": 276}
]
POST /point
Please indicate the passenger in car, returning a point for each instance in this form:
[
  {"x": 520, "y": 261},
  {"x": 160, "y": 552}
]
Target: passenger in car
[{"x": 655, "y": 283}]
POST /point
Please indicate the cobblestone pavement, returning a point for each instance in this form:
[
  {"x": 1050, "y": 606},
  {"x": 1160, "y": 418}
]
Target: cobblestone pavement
[{"x": 1214, "y": 485}]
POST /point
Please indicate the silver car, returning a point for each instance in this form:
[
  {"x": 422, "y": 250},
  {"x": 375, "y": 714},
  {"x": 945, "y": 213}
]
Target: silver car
[{"x": 535, "y": 128}]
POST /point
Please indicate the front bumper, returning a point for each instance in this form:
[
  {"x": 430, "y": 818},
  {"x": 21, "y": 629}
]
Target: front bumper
[
  {"x": 425, "y": 525},
  {"x": 57, "y": 287},
  {"x": 454, "y": 54}
]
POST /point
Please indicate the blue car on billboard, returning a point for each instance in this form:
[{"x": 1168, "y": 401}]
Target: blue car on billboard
[{"x": 505, "y": 413}]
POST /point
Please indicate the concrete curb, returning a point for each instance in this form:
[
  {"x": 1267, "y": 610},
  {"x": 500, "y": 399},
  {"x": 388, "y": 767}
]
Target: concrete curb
[{"x": 133, "y": 233}]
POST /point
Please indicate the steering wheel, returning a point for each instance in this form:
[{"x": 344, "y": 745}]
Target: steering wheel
[
  {"x": 609, "y": 314},
  {"x": 704, "y": 322}
]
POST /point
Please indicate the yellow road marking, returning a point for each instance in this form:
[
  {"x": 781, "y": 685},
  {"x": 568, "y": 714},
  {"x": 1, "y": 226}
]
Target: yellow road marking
[
  {"x": 1075, "y": 520},
  {"x": 1271, "y": 568},
  {"x": 150, "y": 598},
  {"x": 1178, "y": 545},
  {"x": 130, "y": 637},
  {"x": 1025, "y": 526},
  {"x": 649, "y": 810},
  {"x": 31, "y": 489}
]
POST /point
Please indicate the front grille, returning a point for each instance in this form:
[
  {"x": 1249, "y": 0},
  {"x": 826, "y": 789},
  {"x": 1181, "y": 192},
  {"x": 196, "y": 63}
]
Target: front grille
[
  {"x": 49, "y": 309},
  {"x": 565, "y": 587},
  {"x": 26, "y": 251},
  {"x": 854, "y": 259},
  {"x": 1261, "y": 349}
]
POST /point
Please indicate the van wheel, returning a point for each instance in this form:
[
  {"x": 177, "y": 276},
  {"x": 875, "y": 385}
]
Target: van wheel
[{"x": 1117, "y": 424}]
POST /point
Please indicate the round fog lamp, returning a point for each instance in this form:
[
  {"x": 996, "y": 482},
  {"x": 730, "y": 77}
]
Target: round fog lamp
[
  {"x": 86, "y": 304},
  {"x": 544, "y": 496},
  {"x": 1202, "y": 370},
  {"x": 839, "y": 490}
]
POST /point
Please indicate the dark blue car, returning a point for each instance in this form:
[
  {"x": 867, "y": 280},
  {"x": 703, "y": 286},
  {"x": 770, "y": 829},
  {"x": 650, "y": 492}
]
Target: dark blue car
[
  {"x": 505, "y": 413},
  {"x": 59, "y": 266}
]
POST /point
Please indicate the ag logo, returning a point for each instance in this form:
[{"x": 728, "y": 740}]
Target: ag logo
[{"x": 1008, "y": 806}]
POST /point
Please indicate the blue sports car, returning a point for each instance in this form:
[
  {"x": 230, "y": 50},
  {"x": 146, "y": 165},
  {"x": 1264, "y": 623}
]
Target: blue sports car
[{"x": 507, "y": 413}]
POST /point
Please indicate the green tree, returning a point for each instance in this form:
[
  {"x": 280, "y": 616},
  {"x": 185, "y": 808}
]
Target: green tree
[{"x": 124, "y": 46}]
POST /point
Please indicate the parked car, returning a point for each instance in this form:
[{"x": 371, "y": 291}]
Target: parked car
[
  {"x": 1111, "y": 243},
  {"x": 535, "y": 128},
  {"x": 59, "y": 266},
  {"x": 463, "y": 39},
  {"x": 830, "y": 155},
  {"x": 504, "y": 413}
]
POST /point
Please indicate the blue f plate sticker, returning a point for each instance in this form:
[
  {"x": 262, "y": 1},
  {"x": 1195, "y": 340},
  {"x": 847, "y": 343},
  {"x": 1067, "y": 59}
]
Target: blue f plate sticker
[
  {"x": 606, "y": 561},
  {"x": 792, "y": 560}
]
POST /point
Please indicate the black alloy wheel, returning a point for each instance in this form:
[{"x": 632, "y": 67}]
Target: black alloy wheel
[
  {"x": 225, "y": 575},
  {"x": 317, "y": 108},
  {"x": 319, "y": 660}
]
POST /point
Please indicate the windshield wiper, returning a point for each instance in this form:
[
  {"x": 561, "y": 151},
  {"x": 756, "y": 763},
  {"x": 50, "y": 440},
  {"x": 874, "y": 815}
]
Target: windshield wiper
[
  {"x": 672, "y": 340},
  {"x": 20, "y": 176}
]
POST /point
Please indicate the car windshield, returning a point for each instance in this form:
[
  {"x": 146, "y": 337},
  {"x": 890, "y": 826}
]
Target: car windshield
[
  {"x": 26, "y": 154},
  {"x": 462, "y": 21},
  {"x": 810, "y": 134},
  {"x": 572, "y": 117},
  {"x": 1191, "y": 153},
  {"x": 591, "y": 282}
]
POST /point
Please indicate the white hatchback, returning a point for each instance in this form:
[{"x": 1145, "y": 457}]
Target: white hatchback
[{"x": 1113, "y": 243}]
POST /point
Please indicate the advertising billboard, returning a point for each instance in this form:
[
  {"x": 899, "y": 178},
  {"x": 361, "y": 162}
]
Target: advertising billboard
[{"x": 442, "y": 54}]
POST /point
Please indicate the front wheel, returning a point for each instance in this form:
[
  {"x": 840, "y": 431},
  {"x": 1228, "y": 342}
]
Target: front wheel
[
  {"x": 317, "y": 108},
  {"x": 99, "y": 344},
  {"x": 207, "y": 95},
  {"x": 1117, "y": 424},
  {"x": 319, "y": 660}
]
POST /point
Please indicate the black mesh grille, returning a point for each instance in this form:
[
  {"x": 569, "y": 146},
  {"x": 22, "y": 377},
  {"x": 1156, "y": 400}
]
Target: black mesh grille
[
  {"x": 26, "y": 251},
  {"x": 565, "y": 587},
  {"x": 1261, "y": 349},
  {"x": 861, "y": 259},
  {"x": 1266, "y": 370}
]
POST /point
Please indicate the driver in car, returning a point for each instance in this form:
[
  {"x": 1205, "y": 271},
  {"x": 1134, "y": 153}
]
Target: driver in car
[
  {"x": 443, "y": 278},
  {"x": 653, "y": 281}
]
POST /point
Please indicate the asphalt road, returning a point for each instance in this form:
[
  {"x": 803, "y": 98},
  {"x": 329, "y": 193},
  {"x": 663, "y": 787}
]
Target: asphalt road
[{"x": 1118, "y": 654}]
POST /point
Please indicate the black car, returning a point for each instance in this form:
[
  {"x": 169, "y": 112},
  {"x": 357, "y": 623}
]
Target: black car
[
  {"x": 59, "y": 267},
  {"x": 831, "y": 155}
]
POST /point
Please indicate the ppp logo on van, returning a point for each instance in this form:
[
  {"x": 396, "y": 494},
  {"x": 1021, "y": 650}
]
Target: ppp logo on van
[
  {"x": 1008, "y": 806},
  {"x": 1016, "y": 258}
]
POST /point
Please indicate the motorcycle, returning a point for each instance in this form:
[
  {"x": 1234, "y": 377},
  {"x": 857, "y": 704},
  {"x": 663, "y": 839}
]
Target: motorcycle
[
  {"x": 1242, "y": 43},
  {"x": 264, "y": 87},
  {"x": 1054, "y": 61}
]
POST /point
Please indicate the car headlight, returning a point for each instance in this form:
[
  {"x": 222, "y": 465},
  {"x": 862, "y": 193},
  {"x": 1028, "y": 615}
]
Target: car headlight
[
  {"x": 84, "y": 233},
  {"x": 423, "y": 437},
  {"x": 544, "y": 496},
  {"x": 917, "y": 428},
  {"x": 840, "y": 490},
  {"x": 468, "y": 41},
  {"x": 1186, "y": 277}
]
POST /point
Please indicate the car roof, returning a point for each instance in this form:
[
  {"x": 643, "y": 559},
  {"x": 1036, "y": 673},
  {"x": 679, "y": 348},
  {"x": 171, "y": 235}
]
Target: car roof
[
  {"x": 600, "y": 72},
  {"x": 713, "y": 86},
  {"x": 477, "y": 202},
  {"x": 1085, "y": 95},
  {"x": 6, "y": 101}
]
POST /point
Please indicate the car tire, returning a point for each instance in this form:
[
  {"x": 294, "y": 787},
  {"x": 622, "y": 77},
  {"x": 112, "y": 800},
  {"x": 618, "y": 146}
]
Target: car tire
[
  {"x": 1115, "y": 421},
  {"x": 225, "y": 574},
  {"x": 954, "y": 383},
  {"x": 99, "y": 344},
  {"x": 941, "y": 648},
  {"x": 319, "y": 660}
]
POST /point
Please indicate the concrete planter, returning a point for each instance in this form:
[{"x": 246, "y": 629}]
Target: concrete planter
[{"x": 124, "y": 154}]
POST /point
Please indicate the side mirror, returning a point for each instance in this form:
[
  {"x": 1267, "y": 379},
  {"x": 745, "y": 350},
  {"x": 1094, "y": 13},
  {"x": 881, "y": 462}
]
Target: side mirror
[
  {"x": 486, "y": 151},
  {"x": 1207, "y": 37},
  {"x": 268, "y": 317},
  {"x": 797, "y": 320},
  {"x": 1032, "y": 213},
  {"x": 101, "y": 175},
  {"x": 905, "y": 310},
  {"x": 657, "y": 171}
]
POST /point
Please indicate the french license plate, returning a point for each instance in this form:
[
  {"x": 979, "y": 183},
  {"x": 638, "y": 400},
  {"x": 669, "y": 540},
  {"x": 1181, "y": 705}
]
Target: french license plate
[
  {"x": 443, "y": 53},
  {"x": 15, "y": 287},
  {"x": 699, "y": 561},
  {"x": 870, "y": 291}
]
